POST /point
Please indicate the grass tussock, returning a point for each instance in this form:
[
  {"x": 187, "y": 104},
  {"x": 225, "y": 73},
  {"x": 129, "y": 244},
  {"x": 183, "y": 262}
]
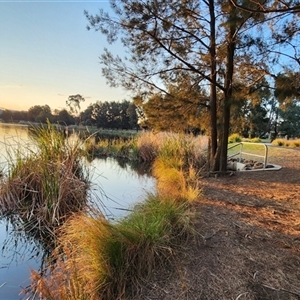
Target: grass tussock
[
  {"x": 109, "y": 261},
  {"x": 177, "y": 169},
  {"x": 45, "y": 183},
  {"x": 234, "y": 138},
  {"x": 151, "y": 145},
  {"x": 287, "y": 143}
]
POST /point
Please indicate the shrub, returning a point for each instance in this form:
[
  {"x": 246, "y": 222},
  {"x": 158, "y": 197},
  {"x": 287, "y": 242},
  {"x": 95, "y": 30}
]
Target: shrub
[
  {"x": 278, "y": 142},
  {"x": 255, "y": 140},
  {"x": 296, "y": 143},
  {"x": 234, "y": 138}
]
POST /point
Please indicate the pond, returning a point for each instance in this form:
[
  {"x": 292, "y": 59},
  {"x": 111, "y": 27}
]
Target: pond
[{"x": 115, "y": 183}]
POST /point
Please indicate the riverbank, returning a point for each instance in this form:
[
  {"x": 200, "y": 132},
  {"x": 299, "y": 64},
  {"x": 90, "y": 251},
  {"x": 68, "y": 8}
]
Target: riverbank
[{"x": 248, "y": 245}]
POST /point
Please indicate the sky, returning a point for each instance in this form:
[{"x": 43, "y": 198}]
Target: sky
[{"x": 47, "y": 54}]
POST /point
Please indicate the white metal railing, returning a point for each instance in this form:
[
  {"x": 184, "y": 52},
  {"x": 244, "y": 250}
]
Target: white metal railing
[{"x": 241, "y": 152}]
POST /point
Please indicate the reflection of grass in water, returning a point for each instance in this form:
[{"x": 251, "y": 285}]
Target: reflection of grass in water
[{"x": 45, "y": 184}]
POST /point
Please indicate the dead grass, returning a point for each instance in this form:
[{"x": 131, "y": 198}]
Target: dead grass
[{"x": 249, "y": 243}]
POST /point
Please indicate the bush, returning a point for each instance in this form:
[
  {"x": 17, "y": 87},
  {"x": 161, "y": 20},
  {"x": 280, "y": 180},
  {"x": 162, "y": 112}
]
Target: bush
[
  {"x": 255, "y": 140},
  {"x": 234, "y": 138},
  {"x": 296, "y": 143},
  {"x": 278, "y": 142}
]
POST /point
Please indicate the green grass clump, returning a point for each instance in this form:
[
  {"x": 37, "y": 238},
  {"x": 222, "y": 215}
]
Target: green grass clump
[
  {"x": 234, "y": 138},
  {"x": 44, "y": 183},
  {"x": 109, "y": 261}
]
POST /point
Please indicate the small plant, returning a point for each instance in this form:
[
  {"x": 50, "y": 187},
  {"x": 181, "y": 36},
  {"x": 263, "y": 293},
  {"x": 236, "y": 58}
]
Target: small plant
[
  {"x": 234, "y": 138},
  {"x": 296, "y": 143}
]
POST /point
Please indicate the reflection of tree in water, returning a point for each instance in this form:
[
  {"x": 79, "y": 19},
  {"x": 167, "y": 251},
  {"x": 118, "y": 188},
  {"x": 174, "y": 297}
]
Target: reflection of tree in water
[
  {"x": 22, "y": 245},
  {"x": 142, "y": 169}
]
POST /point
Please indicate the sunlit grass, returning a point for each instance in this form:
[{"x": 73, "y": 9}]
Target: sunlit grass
[
  {"x": 108, "y": 261},
  {"x": 45, "y": 183},
  {"x": 98, "y": 259},
  {"x": 287, "y": 143}
]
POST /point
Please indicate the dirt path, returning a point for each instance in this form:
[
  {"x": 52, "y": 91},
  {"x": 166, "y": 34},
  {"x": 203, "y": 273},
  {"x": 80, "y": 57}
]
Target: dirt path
[{"x": 249, "y": 245}]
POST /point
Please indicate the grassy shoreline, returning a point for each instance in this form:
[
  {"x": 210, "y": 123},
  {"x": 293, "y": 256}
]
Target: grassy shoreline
[{"x": 101, "y": 259}]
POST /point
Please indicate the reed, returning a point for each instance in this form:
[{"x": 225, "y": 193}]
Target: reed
[
  {"x": 117, "y": 148},
  {"x": 44, "y": 183}
]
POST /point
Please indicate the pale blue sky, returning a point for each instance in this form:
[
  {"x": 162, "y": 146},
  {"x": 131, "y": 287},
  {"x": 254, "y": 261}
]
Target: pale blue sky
[{"x": 47, "y": 54}]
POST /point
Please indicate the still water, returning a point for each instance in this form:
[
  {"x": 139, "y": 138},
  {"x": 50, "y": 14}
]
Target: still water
[{"x": 115, "y": 185}]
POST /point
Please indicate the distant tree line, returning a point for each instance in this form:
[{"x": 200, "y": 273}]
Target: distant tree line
[
  {"x": 109, "y": 115},
  {"x": 178, "y": 114}
]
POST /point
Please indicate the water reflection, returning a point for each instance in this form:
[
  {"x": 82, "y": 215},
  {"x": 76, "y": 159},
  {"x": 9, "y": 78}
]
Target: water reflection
[{"x": 118, "y": 187}]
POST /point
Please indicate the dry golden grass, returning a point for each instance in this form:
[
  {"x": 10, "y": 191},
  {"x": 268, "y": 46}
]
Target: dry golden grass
[
  {"x": 96, "y": 259},
  {"x": 287, "y": 143}
]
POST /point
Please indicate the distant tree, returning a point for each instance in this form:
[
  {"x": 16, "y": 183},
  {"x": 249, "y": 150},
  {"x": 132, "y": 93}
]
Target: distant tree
[
  {"x": 7, "y": 116},
  {"x": 184, "y": 107},
  {"x": 132, "y": 116},
  {"x": 289, "y": 119},
  {"x": 63, "y": 117},
  {"x": 40, "y": 114},
  {"x": 88, "y": 116},
  {"x": 113, "y": 115},
  {"x": 74, "y": 101}
]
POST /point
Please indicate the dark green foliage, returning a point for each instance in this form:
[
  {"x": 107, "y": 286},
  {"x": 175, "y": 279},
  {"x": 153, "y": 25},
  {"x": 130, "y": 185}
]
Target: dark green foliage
[{"x": 111, "y": 115}]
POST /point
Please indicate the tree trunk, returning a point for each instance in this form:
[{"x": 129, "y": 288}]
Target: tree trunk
[
  {"x": 228, "y": 90},
  {"x": 213, "y": 143}
]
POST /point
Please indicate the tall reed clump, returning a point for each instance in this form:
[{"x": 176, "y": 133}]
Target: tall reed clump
[
  {"x": 177, "y": 168},
  {"x": 44, "y": 183},
  {"x": 148, "y": 145},
  {"x": 107, "y": 261}
]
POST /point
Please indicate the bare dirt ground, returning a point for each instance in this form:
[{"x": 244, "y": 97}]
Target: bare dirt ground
[{"x": 249, "y": 238}]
